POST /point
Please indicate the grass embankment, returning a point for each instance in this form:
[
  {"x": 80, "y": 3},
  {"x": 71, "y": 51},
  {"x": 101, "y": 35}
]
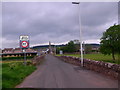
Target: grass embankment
[
  {"x": 0, "y": 75},
  {"x": 14, "y": 72},
  {"x": 97, "y": 57},
  {"x": 17, "y": 58}
]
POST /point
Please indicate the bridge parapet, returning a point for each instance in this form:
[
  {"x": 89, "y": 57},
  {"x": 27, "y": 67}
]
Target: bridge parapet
[
  {"x": 37, "y": 59},
  {"x": 108, "y": 69}
]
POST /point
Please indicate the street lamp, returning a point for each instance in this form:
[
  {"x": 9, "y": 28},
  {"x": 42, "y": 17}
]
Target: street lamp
[{"x": 81, "y": 49}]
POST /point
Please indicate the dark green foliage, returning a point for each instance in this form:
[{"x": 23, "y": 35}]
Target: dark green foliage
[
  {"x": 13, "y": 73},
  {"x": 110, "y": 41},
  {"x": 69, "y": 48}
]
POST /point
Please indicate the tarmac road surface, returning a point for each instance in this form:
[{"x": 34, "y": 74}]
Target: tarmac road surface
[{"x": 54, "y": 73}]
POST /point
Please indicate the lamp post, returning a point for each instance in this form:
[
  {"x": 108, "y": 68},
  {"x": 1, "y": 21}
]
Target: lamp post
[{"x": 81, "y": 49}]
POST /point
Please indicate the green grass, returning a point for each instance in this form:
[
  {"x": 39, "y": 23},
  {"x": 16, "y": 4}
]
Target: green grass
[
  {"x": 97, "y": 57},
  {"x": 14, "y": 73},
  {"x": 0, "y": 75},
  {"x": 13, "y": 58}
]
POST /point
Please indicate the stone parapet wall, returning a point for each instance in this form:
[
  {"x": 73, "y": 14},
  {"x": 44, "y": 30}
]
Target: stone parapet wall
[
  {"x": 38, "y": 59},
  {"x": 109, "y": 69}
]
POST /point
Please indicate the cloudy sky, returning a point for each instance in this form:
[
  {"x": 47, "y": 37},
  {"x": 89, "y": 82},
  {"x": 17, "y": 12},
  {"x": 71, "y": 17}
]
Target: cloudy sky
[{"x": 55, "y": 21}]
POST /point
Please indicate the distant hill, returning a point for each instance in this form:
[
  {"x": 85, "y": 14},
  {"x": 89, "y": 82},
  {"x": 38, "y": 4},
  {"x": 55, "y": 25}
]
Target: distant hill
[
  {"x": 47, "y": 46},
  {"x": 93, "y": 44}
]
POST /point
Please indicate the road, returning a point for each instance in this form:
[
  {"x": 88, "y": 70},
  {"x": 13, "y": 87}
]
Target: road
[{"x": 54, "y": 73}]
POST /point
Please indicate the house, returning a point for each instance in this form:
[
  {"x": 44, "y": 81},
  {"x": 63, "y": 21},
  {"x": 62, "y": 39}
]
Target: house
[
  {"x": 17, "y": 50},
  {"x": 30, "y": 50},
  {"x": 10, "y": 52},
  {"x": 7, "y": 50},
  {"x": 95, "y": 47}
]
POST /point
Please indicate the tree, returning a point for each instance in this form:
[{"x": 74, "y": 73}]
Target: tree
[
  {"x": 70, "y": 47},
  {"x": 110, "y": 41}
]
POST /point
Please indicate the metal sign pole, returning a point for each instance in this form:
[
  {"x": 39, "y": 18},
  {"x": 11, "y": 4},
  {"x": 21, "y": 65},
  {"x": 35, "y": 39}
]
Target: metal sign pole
[{"x": 24, "y": 56}]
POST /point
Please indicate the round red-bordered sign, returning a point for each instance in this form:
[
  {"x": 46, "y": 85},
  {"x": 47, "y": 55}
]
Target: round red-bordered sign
[{"x": 24, "y": 44}]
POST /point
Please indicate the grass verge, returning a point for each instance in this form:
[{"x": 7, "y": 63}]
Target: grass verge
[
  {"x": 15, "y": 58},
  {"x": 14, "y": 73},
  {"x": 97, "y": 57}
]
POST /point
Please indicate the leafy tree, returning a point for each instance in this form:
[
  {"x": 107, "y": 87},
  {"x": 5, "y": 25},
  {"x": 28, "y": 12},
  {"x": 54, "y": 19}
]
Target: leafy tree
[
  {"x": 110, "y": 41},
  {"x": 70, "y": 47}
]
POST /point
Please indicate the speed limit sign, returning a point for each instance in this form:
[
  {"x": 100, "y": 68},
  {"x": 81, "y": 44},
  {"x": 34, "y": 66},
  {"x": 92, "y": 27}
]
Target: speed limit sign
[
  {"x": 24, "y": 41},
  {"x": 24, "y": 44}
]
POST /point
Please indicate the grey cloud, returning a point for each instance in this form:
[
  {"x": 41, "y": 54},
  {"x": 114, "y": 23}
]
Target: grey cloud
[
  {"x": 55, "y": 22},
  {"x": 99, "y": 13}
]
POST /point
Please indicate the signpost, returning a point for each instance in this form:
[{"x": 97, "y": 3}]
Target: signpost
[{"x": 24, "y": 44}]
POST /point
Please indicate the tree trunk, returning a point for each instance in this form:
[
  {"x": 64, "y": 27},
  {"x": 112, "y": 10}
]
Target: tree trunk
[
  {"x": 113, "y": 56},
  {"x": 118, "y": 58}
]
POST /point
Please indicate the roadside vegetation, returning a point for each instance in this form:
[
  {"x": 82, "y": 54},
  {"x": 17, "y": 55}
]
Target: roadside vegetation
[
  {"x": 110, "y": 42},
  {"x": 97, "y": 57},
  {"x": 14, "y": 72},
  {"x": 0, "y": 75},
  {"x": 15, "y": 58}
]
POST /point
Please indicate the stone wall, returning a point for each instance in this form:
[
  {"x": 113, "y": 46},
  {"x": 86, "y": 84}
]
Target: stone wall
[
  {"x": 109, "y": 69},
  {"x": 38, "y": 59}
]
